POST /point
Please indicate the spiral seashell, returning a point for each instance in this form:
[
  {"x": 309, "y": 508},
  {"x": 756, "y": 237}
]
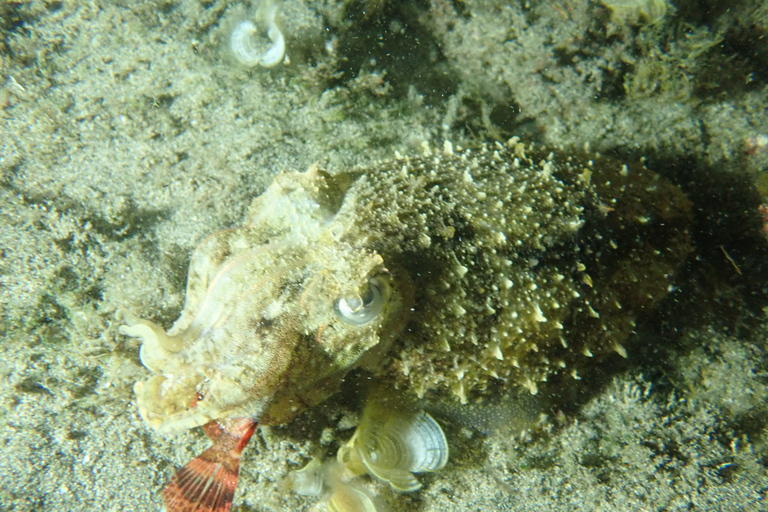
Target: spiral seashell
[
  {"x": 395, "y": 448},
  {"x": 245, "y": 47}
]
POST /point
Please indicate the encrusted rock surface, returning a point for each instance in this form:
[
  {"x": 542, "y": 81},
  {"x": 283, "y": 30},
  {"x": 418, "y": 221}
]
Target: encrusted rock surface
[{"x": 523, "y": 261}]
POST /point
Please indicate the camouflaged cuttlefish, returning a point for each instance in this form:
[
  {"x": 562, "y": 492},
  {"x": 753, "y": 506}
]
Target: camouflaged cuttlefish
[{"x": 445, "y": 272}]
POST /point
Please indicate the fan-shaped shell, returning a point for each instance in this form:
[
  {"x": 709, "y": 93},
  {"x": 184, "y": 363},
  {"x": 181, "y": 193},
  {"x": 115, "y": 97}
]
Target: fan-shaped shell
[
  {"x": 307, "y": 481},
  {"x": 395, "y": 448},
  {"x": 347, "y": 499}
]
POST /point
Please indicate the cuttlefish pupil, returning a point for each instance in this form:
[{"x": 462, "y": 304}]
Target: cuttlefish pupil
[{"x": 360, "y": 310}]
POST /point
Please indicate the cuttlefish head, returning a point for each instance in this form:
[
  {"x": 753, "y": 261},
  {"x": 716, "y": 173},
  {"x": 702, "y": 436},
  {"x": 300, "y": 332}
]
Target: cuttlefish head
[{"x": 275, "y": 330}]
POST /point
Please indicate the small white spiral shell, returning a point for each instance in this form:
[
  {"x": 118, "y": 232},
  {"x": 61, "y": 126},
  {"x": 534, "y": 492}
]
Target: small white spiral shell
[{"x": 247, "y": 47}]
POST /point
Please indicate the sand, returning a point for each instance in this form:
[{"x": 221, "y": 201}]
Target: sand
[{"x": 128, "y": 134}]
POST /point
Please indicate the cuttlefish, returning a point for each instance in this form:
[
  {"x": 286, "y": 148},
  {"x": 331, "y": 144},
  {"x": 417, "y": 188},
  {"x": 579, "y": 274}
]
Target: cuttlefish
[{"x": 443, "y": 273}]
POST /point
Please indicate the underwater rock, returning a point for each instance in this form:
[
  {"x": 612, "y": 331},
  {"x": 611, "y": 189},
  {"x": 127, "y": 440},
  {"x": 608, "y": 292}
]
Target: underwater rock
[
  {"x": 523, "y": 261},
  {"x": 632, "y": 11},
  {"x": 445, "y": 271}
]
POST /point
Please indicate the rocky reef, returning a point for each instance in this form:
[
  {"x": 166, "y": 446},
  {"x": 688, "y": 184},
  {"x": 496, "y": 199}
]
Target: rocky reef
[{"x": 523, "y": 261}]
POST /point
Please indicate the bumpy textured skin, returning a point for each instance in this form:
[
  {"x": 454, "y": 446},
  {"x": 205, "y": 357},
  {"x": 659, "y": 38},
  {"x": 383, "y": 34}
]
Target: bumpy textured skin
[
  {"x": 505, "y": 263},
  {"x": 525, "y": 261}
]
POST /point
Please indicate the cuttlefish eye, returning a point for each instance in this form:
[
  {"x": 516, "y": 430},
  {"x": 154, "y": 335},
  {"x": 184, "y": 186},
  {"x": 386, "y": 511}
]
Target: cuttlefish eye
[{"x": 360, "y": 310}]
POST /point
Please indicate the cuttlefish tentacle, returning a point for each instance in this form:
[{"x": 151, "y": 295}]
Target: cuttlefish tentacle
[{"x": 157, "y": 346}]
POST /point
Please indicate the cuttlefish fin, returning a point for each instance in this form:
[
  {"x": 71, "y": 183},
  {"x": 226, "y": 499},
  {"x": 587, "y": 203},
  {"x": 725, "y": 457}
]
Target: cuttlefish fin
[{"x": 207, "y": 483}]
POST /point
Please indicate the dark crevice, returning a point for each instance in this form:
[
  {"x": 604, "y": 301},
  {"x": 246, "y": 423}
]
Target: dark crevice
[{"x": 393, "y": 41}]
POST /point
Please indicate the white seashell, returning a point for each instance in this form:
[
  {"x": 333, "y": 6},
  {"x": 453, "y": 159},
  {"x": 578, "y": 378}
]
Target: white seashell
[
  {"x": 244, "y": 43},
  {"x": 317, "y": 478},
  {"x": 307, "y": 481},
  {"x": 395, "y": 448},
  {"x": 347, "y": 499}
]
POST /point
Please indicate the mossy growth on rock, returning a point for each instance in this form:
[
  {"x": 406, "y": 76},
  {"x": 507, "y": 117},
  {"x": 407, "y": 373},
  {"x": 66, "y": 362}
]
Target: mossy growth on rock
[
  {"x": 447, "y": 271},
  {"x": 523, "y": 261}
]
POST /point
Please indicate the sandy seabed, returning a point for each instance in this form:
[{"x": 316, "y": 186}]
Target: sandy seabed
[{"x": 128, "y": 134}]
